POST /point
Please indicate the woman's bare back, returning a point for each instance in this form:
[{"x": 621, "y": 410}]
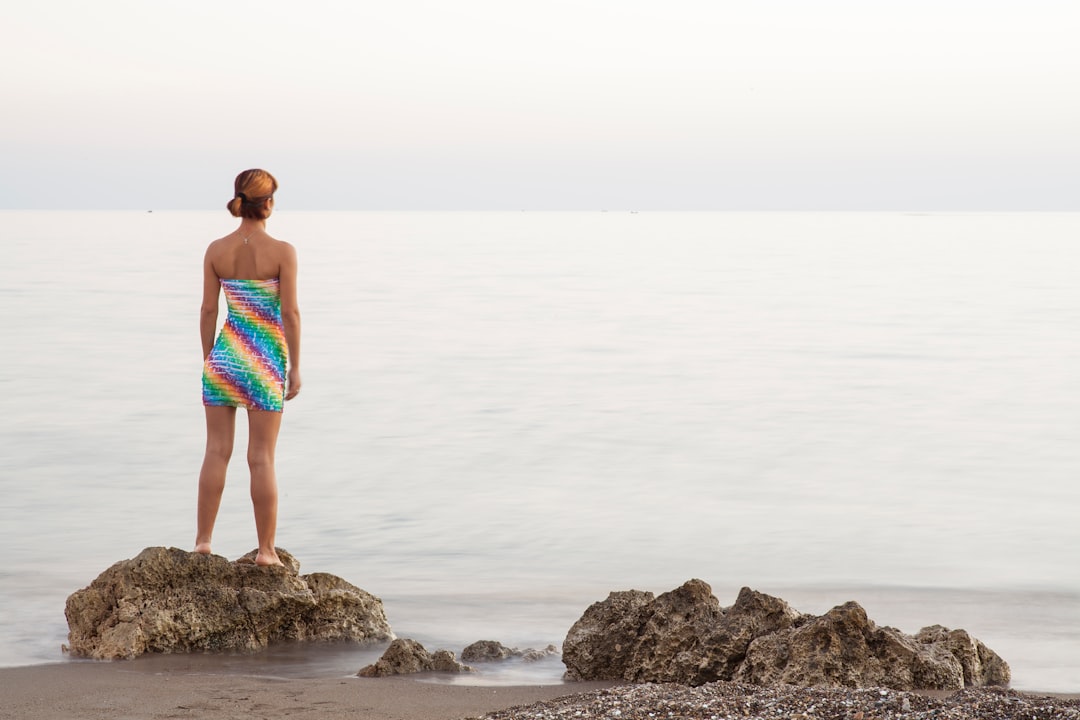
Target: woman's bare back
[{"x": 257, "y": 256}]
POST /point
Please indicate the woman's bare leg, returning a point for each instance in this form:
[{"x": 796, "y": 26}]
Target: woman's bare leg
[
  {"x": 220, "y": 430},
  {"x": 263, "y": 430}
]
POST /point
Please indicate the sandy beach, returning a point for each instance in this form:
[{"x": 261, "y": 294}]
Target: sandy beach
[{"x": 113, "y": 691}]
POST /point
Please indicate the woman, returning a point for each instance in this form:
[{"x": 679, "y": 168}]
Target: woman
[{"x": 246, "y": 366}]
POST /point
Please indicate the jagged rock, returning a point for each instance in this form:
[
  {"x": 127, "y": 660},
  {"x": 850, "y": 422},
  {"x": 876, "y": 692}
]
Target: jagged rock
[
  {"x": 684, "y": 636},
  {"x": 982, "y": 666},
  {"x": 723, "y": 644},
  {"x": 492, "y": 651},
  {"x": 405, "y": 656},
  {"x": 844, "y": 648},
  {"x": 168, "y": 600},
  {"x": 600, "y": 646}
]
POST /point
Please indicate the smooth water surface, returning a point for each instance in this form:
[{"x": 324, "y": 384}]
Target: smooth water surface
[{"x": 505, "y": 416}]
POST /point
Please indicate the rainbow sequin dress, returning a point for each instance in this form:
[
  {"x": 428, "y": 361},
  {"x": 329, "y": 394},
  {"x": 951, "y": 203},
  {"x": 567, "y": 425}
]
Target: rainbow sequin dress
[{"x": 246, "y": 367}]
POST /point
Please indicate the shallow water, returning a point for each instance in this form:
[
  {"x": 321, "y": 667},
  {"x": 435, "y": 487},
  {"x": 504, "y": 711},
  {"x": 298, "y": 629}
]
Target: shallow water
[{"x": 508, "y": 415}]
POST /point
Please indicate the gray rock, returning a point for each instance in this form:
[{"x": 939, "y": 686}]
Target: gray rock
[
  {"x": 684, "y": 636},
  {"x": 493, "y": 651},
  {"x": 487, "y": 651},
  {"x": 531, "y": 655},
  {"x": 445, "y": 661},
  {"x": 406, "y": 656},
  {"x": 168, "y": 600}
]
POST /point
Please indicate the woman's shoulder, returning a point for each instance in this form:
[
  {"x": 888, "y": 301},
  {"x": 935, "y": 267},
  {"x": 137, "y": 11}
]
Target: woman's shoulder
[
  {"x": 219, "y": 244},
  {"x": 227, "y": 237},
  {"x": 285, "y": 248},
  {"x": 277, "y": 240}
]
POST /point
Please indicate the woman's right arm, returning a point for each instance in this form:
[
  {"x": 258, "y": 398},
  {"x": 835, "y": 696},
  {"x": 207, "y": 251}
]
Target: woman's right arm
[
  {"x": 290, "y": 317},
  {"x": 209, "y": 310}
]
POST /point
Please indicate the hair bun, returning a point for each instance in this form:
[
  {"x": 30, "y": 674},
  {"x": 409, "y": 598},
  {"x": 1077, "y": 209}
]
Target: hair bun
[{"x": 253, "y": 188}]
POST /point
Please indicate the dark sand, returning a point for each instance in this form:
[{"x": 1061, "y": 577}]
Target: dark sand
[
  {"x": 115, "y": 691},
  {"x": 109, "y": 691}
]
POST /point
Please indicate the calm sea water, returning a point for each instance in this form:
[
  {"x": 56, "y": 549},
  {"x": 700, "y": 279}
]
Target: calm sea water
[{"x": 506, "y": 416}]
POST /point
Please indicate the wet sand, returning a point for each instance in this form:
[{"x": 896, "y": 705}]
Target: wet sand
[
  {"x": 109, "y": 691},
  {"x": 113, "y": 691}
]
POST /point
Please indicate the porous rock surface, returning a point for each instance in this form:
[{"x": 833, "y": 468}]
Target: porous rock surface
[
  {"x": 685, "y": 636},
  {"x": 406, "y": 656},
  {"x": 168, "y": 600}
]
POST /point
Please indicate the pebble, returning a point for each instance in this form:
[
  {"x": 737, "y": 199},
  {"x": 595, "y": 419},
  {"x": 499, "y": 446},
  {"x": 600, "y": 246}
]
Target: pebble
[{"x": 738, "y": 701}]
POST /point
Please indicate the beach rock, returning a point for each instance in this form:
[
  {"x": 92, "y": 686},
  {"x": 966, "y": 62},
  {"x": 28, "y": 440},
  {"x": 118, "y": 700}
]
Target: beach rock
[
  {"x": 168, "y": 600},
  {"x": 600, "y": 646},
  {"x": 486, "y": 651},
  {"x": 981, "y": 665},
  {"x": 685, "y": 637},
  {"x": 531, "y": 655},
  {"x": 405, "y": 656},
  {"x": 493, "y": 651},
  {"x": 844, "y": 648}
]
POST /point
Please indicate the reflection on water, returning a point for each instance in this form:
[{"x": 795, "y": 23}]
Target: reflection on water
[
  {"x": 333, "y": 660},
  {"x": 287, "y": 660}
]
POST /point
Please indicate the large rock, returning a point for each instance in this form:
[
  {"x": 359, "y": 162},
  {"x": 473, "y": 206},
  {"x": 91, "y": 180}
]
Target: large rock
[
  {"x": 684, "y": 636},
  {"x": 168, "y": 600},
  {"x": 406, "y": 656}
]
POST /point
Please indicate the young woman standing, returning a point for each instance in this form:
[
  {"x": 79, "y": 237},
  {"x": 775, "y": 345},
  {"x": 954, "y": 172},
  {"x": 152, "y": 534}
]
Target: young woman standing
[{"x": 255, "y": 361}]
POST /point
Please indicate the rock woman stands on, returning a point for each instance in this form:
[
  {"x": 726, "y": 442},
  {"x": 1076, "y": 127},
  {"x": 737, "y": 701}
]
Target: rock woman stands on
[{"x": 246, "y": 366}]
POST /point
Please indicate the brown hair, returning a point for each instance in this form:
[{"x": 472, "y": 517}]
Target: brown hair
[{"x": 253, "y": 189}]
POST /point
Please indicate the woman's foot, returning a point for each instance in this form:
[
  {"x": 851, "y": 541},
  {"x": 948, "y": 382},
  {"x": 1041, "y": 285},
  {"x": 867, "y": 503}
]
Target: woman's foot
[
  {"x": 202, "y": 548},
  {"x": 268, "y": 559}
]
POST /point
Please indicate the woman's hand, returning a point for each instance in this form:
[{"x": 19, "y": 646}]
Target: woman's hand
[{"x": 292, "y": 383}]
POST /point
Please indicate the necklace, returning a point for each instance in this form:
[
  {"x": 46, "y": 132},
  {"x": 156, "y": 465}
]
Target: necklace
[{"x": 246, "y": 239}]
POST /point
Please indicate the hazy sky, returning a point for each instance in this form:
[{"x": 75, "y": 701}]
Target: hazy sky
[{"x": 506, "y": 105}]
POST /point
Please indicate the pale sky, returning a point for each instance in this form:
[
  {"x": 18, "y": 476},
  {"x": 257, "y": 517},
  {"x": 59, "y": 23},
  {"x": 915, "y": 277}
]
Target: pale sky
[{"x": 575, "y": 105}]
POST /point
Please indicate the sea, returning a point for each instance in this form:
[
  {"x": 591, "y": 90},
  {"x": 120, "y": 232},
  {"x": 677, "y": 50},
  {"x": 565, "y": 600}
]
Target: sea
[{"x": 506, "y": 416}]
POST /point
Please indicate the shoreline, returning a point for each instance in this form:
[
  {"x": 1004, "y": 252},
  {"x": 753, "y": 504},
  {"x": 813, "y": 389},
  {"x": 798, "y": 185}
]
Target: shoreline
[
  {"x": 108, "y": 690},
  {"x": 113, "y": 690}
]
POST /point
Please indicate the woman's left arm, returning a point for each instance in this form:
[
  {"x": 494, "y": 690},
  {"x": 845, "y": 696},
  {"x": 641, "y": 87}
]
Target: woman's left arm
[{"x": 290, "y": 317}]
